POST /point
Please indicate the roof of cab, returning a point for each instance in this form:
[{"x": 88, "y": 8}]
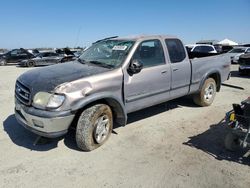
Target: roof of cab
[{"x": 144, "y": 37}]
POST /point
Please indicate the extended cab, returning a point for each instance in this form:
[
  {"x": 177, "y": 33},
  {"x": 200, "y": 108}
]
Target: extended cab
[{"x": 112, "y": 78}]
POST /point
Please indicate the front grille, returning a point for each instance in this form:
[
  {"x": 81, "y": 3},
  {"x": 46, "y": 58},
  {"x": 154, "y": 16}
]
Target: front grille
[
  {"x": 244, "y": 61},
  {"x": 22, "y": 93}
]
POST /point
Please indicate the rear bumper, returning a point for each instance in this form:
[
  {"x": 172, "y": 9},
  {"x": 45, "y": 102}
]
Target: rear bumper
[{"x": 50, "y": 127}]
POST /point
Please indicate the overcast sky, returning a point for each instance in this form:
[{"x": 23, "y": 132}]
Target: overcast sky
[{"x": 60, "y": 23}]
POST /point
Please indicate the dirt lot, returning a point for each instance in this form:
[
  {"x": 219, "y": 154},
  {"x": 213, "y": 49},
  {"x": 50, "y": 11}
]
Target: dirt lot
[{"x": 175, "y": 144}]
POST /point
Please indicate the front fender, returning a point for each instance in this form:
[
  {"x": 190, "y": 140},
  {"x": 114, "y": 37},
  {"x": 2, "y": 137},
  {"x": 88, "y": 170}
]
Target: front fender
[{"x": 116, "y": 104}]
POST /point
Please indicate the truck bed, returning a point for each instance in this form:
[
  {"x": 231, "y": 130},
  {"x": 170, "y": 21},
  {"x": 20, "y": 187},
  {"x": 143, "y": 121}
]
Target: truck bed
[{"x": 207, "y": 65}]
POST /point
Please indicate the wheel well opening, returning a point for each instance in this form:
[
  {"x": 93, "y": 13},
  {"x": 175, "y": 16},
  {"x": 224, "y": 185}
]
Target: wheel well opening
[
  {"x": 118, "y": 115},
  {"x": 217, "y": 80}
]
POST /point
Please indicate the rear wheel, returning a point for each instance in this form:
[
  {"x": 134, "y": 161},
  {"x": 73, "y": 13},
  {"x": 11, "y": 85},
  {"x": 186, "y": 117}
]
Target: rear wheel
[
  {"x": 31, "y": 64},
  {"x": 94, "y": 127},
  {"x": 207, "y": 93}
]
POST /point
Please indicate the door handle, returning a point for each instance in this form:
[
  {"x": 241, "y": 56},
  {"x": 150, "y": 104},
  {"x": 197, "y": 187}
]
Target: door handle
[
  {"x": 175, "y": 69},
  {"x": 164, "y": 71}
]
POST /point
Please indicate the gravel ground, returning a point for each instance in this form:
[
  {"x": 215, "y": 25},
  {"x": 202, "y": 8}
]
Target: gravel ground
[{"x": 175, "y": 144}]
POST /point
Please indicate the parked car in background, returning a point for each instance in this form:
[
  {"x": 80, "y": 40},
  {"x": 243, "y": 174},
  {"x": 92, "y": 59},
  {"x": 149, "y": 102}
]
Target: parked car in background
[
  {"x": 67, "y": 53},
  {"x": 200, "y": 50},
  {"x": 244, "y": 64},
  {"x": 33, "y": 51},
  {"x": 42, "y": 59},
  {"x": 78, "y": 53},
  {"x": 236, "y": 52},
  {"x": 14, "y": 56},
  {"x": 112, "y": 78}
]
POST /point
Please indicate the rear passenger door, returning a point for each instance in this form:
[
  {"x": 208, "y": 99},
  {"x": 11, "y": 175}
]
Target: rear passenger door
[{"x": 180, "y": 68}]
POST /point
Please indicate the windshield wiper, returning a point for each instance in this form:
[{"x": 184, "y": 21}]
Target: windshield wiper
[
  {"x": 81, "y": 60},
  {"x": 101, "y": 64}
]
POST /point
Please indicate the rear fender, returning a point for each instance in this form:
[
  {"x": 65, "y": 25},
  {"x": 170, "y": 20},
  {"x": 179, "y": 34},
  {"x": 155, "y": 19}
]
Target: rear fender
[{"x": 215, "y": 75}]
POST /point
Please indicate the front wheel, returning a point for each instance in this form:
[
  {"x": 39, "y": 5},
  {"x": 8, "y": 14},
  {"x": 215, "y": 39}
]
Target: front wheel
[
  {"x": 3, "y": 62},
  {"x": 94, "y": 127},
  {"x": 31, "y": 64},
  {"x": 242, "y": 72},
  {"x": 207, "y": 93}
]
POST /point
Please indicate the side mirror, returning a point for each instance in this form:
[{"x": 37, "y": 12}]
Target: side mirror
[{"x": 135, "y": 66}]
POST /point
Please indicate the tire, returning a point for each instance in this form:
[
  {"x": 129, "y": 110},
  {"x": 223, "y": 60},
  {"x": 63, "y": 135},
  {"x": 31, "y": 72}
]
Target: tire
[
  {"x": 207, "y": 93},
  {"x": 3, "y": 62},
  {"x": 94, "y": 127},
  {"x": 31, "y": 64},
  {"x": 242, "y": 72},
  {"x": 231, "y": 142}
]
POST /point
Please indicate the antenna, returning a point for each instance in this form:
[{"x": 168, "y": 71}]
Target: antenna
[{"x": 77, "y": 35}]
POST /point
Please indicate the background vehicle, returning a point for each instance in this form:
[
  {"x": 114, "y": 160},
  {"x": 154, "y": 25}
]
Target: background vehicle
[
  {"x": 66, "y": 53},
  {"x": 112, "y": 78},
  {"x": 42, "y": 59},
  {"x": 14, "y": 56},
  {"x": 78, "y": 53},
  {"x": 244, "y": 64},
  {"x": 239, "y": 123},
  {"x": 200, "y": 50},
  {"x": 236, "y": 52},
  {"x": 33, "y": 51}
]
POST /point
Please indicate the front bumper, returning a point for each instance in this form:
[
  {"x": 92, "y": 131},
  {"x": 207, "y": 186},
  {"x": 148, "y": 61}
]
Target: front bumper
[
  {"x": 245, "y": 67},
  {"x": 51, "y": 127}
]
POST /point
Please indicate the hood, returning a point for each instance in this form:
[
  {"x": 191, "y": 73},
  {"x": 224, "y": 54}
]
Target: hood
[
  {"x": 48, "y": 78},
  {"x": 234, "y": 54},
  {"x": 245, "y": 56}
]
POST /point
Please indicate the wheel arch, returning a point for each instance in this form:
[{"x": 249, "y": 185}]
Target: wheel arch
[
  {"x": 117, "y": 107},
  {"x": 217, "y": 78}
]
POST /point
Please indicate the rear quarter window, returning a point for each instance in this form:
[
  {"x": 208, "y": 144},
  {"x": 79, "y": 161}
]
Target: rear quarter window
[{"x": 176, "y": 50}]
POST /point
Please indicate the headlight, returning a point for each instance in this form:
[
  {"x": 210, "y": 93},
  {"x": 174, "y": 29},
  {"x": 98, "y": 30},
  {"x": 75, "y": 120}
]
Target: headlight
[
  {"x": 237, "y": 57},
  {"x": 44, "y": 100}
]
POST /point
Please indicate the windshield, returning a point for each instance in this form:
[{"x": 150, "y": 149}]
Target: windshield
[
  {"x": 237, "y": 50},
  {"x": 111, "y": 53},
  {"x": 39, "y": 55}
]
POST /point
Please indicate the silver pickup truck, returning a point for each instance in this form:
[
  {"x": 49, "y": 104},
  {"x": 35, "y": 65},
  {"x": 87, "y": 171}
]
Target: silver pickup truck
[{"x": 112, "y": 78}]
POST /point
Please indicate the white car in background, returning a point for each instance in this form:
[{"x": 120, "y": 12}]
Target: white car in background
[
  {"x": 236, "y": 52},
  {"x": 201, "y": 48}
]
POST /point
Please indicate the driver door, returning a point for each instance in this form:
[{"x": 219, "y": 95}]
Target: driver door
[{"x": 152, "y": 84}]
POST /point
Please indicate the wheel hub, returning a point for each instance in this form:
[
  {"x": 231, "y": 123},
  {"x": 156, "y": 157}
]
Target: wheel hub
[
  {"x": 209, "y": 92},
  {"x": 102, "y": 125}
]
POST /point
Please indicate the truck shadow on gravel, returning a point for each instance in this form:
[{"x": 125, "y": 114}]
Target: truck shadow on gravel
[
  {"x": 212, "y": 142},
  {"x": 24, "y": 138},
  {"x": 160, "y": 108}
]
